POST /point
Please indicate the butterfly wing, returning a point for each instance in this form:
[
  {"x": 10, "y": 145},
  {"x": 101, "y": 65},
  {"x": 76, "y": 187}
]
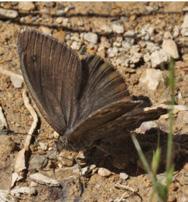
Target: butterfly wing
[
  {"x": 105, "y": 107},
  {"x": 52, "y": 72}
]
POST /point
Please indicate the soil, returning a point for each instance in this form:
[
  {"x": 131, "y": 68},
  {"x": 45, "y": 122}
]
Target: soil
[{"x": 119, "y": 156}]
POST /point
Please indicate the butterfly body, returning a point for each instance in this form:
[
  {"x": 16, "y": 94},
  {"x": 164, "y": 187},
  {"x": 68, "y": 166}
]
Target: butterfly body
[{"x": 83, "y": 100}]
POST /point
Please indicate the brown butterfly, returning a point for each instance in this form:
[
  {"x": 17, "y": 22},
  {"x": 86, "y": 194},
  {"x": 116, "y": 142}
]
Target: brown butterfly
[{"x": 83, "y": 100}]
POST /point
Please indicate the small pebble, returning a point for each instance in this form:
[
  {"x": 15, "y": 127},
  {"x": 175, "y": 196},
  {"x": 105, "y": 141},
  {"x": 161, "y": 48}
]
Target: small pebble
[
  {"x": 91, "y": 37},
  {"x": 158, "y": 57},
  {"x": 26, "y": 6},
  {"x": 45, "y": 30},
  {"x": 17, "y": 81},
  {"x": 123, "y": 176},
  {"x": 151, "y": 78},
  {"x": 169, "y": 46},
  {"x": 104, "y": 172},
  {"x": 112, "y": 52},
  {"x": 8, "y": 14},
  {"x": 117, "y": 28},
  {"x": 43, "y": 146}
]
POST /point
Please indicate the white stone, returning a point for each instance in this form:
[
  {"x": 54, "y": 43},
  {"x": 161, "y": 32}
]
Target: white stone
[
  {"x": 7, "y": 13},
  {"x": 104, "y": 172},
  {"x": 42, "y": 179},
  {"x": 146, "y": 57},
  {"x": 17, "y": 191},
  {"x": 123, "y": 176},
  {"x": 158, "y": 57},
  {"x": 135, "y": 58},
  {"x": 145, "y": 126},
  {"x": 17, "y": 81},
  {"x": 117, "y": 28},
  {"x": 112, "y": 52},
  {"x": 129, "y": 33},
  {"x": 76, "y": 45},
  {"x": 151, "y": 78},
  {"x": 169, "y": 46},
  {"x": 91, "y": 37},
  {"x": 151, "y": 47},
  {"x": 43, "y": 146}
]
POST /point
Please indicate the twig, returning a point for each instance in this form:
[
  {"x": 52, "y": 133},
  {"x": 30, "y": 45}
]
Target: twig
[
  {"x": 22, "y": 157},
  {"x": 10, "y": 73},
  {"x": 34, "y": 116}
]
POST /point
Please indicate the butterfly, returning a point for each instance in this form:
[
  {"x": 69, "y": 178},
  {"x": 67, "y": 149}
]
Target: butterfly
[{"x": 84, "y": 100}]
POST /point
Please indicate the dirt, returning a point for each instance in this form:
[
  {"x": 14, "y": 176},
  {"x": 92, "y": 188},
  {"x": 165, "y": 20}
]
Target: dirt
[{"x": 121, "y": 157}]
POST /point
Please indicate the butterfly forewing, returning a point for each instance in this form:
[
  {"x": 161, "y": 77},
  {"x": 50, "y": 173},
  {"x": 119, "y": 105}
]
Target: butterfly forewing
[{"x": 52, "y": 72}]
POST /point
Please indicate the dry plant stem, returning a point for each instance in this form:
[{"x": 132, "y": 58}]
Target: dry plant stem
[
  {"x": 9, "y": 73},
  {"x": 35, "y": 119},
  {"x": 20, "y": 163}
]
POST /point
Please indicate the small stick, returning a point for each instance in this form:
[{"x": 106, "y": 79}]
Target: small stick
[
  {"x": 20, "y": 163},
  {"x": 10, "y": 73},
  {"x": 35, "y": 119}
]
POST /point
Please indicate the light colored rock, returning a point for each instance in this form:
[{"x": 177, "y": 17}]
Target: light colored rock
[
  {"x": 146, "y": 32},
  {"x": 151, "y": 47},
  {"x": 169, "y": 46},
  {"x": 106, "y": 28},
  {"x": 45, "y": 30},
  {"x": 26, "y": 6},
  {"x": 184, "y": 26},
  {"x": 43, "y": 146},
  {"x": 59, "y": 20},
  {"x": 146, "y": 57},
  {"x": 42, "y": 179},
  {"x": 135, "y": 58},
  {"x": 104, "y": 172},
  {"x": 112, "y": 52},
  {"x": 129, "y": 33},
  {"x": 17, "y": 191},
  {"x": 145, "y": 126},
  {"x": 17, "y": 81},
  {"x": 158, "y": 57},
  {"x": 151, "y": 78},
  {"x": 117, "y": 28},
  {"x": 123, "y": 176},
  {"x": 8, "y": 14},
  {"x": 76, "y": 45},
  {"x": 127, "y": 43},
  {"x": 91, "y": 37},
  {"x": 85, "y": 171},
  {"x": 5, "y": 196}
]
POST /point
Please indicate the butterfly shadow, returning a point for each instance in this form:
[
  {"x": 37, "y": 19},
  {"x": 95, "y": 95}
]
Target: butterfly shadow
[{"x": 120, "y": 155}]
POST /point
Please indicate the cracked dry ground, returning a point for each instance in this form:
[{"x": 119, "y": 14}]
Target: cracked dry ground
[{"x": 78, "y": 19}]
